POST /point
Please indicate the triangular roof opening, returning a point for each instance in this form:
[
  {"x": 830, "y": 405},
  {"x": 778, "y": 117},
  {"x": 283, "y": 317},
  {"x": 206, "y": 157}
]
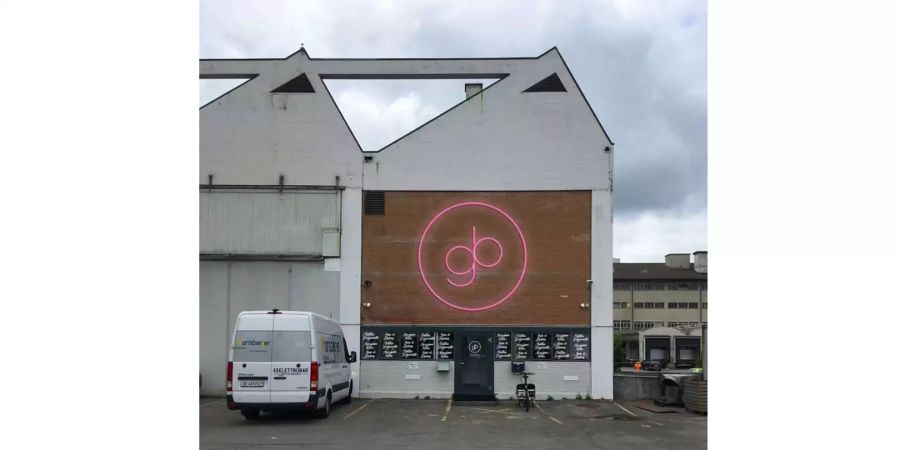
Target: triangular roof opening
[
  {"x": 298, "y": 85},
  {"x": 549, "y": 84},
  {"x": 380, "y": 112}
]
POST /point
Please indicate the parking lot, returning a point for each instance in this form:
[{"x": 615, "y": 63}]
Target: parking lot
[{"x": 439, "y": 424}]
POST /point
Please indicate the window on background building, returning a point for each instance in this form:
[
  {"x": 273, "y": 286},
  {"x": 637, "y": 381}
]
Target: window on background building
[
  {"x": 659, "y": 305},
  {"x": 622, "y": 286},
  {"x": 683, "y": 286},
  {"x": 681, "y": 305},
  {"x": 639, "y": 305},
  {"x": 705, "y": 305},
  {"x": 682, "y": 324},
  {"x": 620, "y": 305},
  {"x": 621, "y": 324},
  {"x": 703, "y": 285},
  {"x": 693, "y": 305},
  {"x": 648, "y": 286},
  {"x": 643, "y": 324}
]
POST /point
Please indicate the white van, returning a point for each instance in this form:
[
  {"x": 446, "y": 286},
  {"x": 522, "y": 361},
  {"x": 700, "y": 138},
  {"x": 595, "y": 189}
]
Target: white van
[{"x": 282, "y": 360}]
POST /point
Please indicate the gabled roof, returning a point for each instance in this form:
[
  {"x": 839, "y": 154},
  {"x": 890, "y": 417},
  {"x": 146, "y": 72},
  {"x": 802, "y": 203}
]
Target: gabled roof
[{"x": 381, "y": 68}]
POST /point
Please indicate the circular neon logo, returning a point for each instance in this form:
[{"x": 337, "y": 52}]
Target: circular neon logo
[
  {"x": 472, "y": 256},
  {"x": 474, "y": 347}
]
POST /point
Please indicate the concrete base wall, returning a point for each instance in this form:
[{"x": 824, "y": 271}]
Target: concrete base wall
[
  {"x": 558, "y": 379},
  {"x": 633, "y": 386},
  {"x": 404, "y": 379}
]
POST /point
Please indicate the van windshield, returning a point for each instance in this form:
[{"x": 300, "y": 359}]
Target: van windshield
[
  {"x": 252, "y": 346},
  {"x": 291, "y": 346}
]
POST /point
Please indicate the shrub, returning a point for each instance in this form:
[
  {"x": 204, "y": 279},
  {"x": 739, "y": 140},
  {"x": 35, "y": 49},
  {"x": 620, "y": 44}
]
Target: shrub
[
  {"x": 549, "y": 398},
  {"x": 618, "y": 351},
  {"x": 577, "y": 396}
]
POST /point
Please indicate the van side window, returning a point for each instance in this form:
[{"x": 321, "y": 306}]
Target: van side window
[
  {"x": 346, "y": 350},
  {"x": 331, "y": 348}
]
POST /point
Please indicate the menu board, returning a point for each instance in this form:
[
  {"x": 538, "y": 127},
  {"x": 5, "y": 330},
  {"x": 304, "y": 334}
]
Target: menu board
[
  {"x": 390, "y": 348},
  {"x": 409, "y": 345},
  {"x": 523, "y": 346},
  {"x": 541, "y": 346},
  {"x": 561, "y": 346},
  {"x": 445, "y": 345},
  {"x": 580, "y": 346},
  {"x": 502, "y": 349},
  {"x": 370, "y": 345},
  {"x": 426, "y": 345}
]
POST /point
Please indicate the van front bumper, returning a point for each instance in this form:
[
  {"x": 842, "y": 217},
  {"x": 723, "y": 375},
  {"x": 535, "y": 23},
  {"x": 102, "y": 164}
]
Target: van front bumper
[{"x": 312, "y": 403}]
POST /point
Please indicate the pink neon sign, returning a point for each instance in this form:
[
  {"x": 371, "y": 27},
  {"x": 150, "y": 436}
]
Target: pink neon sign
[
  {"x": 471, "y": 270},
  {"x": 473, "y": 255}
]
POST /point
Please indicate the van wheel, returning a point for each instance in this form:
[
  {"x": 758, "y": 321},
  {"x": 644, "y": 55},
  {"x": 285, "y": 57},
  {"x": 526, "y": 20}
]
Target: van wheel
[
  {"x": 326, "y": 410},
  {"x": 347, "y": 400},
  {"x": 250, "y": 414}
]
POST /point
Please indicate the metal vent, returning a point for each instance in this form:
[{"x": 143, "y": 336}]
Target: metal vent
[
  {"x": 549, "y": 84},
  {"x": 374, "y": 203}
]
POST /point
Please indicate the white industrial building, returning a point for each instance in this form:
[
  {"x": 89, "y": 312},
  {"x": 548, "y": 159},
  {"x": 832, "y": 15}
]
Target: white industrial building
[{"x": 282, "y": 181}]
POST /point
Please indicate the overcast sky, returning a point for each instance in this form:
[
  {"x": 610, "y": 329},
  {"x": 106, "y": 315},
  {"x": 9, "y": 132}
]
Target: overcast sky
[{"x": 641, "y": 64}]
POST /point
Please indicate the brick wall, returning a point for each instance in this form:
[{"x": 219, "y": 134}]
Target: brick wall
[{"x": 556, "y": 230}]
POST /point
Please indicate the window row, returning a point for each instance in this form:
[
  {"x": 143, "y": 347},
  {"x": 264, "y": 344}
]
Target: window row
[
  {"x": 649, "y": 305},
  {"x": 683, "y": 305},
  {"x": 660, "y": 286},
  {"x": 647, "y": 324}
]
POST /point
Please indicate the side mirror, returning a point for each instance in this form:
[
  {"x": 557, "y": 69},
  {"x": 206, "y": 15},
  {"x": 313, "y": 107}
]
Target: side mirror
[{"x": 352, "y": 357}]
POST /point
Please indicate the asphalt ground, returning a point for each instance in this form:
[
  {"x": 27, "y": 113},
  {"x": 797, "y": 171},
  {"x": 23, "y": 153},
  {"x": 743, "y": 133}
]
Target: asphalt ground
[{"x": 439, "y": 424}]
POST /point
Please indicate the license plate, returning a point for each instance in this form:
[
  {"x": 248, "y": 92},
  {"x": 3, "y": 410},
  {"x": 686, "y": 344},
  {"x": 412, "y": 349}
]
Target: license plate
[{"x": 253, "y": 383}]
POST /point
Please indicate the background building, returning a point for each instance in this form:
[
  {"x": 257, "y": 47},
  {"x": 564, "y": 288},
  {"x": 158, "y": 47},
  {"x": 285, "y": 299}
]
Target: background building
[
  {"x": 671, "y": 294},
  {"x": 482, "y": 237}
]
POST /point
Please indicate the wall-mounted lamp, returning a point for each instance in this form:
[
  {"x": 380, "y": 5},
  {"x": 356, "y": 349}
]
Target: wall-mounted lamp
[
  {"x": 367, "y": 283},
  {"x": 367, "y": 305},
  {"x": 585, "y": 305},
  {"x": 589, "y": 283}
]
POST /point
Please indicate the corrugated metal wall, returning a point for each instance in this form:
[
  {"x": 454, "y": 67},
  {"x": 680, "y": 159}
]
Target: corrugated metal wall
[
  {"x": 259, "y": 223},
  {"x": 229, "y": 287}
]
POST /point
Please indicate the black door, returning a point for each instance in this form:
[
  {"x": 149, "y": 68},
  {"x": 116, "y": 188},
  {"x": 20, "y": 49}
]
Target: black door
[{"x": 474, "y": 370}]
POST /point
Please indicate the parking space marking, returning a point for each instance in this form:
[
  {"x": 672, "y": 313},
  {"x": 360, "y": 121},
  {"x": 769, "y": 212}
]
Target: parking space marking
[
  {"x": 485, "y": 410},
  {"x": 545, "y": 412},
  {"x": 623, "y": 409},
  {"x": 447, "y": 410},
  {"x": 657, "y": 423},
  {"x": 213, "y": 402},
  {"x": 358, "y": 409}
]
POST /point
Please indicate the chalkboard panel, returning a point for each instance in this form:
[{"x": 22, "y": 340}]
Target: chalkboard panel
[
  {"x": 581, "y": 349},
  {"x": 426, "y": 345},
  {"x": 522, "y": 346},
  {"x": 542, "y": 346},
  {"x": 409, "y": 345},
  {"x": 502, "y": 349},
  {"x": 561, "y": 346},
  {"x": 390, "y": 348},
  {"x": 445, "y": 345},
  {"x": 370, "y": 345}
]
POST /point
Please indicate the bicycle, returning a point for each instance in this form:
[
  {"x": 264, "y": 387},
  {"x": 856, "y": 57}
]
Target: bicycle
[{"x": 525, "y": 391}]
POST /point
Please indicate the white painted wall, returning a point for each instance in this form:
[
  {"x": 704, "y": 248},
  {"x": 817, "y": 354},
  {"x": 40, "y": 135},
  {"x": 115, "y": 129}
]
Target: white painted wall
[{"x": 500, "y": 139}]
